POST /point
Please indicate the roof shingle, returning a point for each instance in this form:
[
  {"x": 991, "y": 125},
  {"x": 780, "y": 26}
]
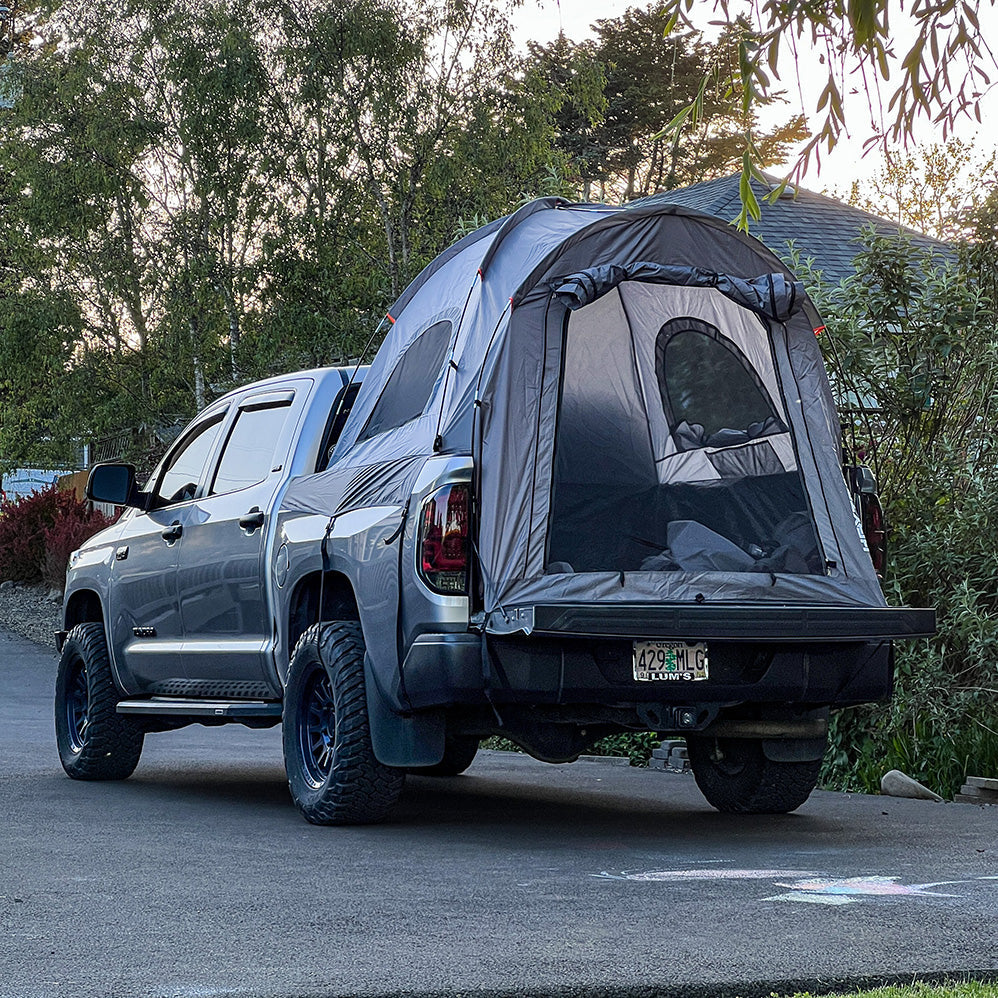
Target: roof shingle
[{"x": 818, "y": 226}]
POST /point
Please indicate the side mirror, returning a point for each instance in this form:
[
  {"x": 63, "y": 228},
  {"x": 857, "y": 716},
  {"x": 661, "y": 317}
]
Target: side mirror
[
  {"x": 113, "y": 483},
  {"x": 863, "y": 480}
]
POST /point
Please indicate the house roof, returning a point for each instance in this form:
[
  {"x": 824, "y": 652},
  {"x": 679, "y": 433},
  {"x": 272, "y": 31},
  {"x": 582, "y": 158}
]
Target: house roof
[{"x": 818, "y": 226}]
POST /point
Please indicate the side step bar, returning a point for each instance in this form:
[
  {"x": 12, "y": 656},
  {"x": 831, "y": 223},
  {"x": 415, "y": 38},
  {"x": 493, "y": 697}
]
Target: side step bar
[{"x": 180, "y": 707}]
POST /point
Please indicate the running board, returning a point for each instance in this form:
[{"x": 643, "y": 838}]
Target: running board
[{"x": 179, "y": 707}]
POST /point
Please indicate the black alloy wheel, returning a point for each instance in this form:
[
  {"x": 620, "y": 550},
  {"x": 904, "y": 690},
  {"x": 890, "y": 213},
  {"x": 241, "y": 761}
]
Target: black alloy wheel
[
  {"x": 334, "y": 776},
  {"x": 77, "y": 704},
  {"x": 317, "y": 728}
]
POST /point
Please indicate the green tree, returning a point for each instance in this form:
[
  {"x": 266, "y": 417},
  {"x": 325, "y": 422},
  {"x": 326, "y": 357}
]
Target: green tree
[
  {"x": 211, "y": 192},
  {"x": 937, "y": 189},
  {"x": 620, "y": 90},
  {"x": 572, "y": 75},
  {"x": 391, "y": 123}
]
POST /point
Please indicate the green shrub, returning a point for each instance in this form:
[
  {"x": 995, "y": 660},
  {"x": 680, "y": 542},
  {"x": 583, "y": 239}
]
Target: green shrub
[
  {"x": 912, "y": 349},
  {"x": 636, "y": 745}
]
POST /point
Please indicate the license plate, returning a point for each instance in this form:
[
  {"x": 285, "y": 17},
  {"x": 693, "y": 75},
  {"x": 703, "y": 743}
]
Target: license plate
[{"x": 669, "y": 661}]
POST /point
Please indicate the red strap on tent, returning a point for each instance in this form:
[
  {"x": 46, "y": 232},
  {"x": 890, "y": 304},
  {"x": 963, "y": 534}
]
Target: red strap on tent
[
  {"x": 389, "y": 318},
  {"x": 819, "y": 330}
]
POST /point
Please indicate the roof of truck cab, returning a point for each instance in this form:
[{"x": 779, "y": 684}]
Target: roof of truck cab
[{"x": 340, "y": 375}]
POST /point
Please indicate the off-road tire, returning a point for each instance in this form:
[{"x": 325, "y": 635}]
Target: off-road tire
[
  {"x": 735, "y": 776},
  {"x": 95, "y": 742},
  {"x": 333, "y": 774},
  {"x": 459, "y": 754}
]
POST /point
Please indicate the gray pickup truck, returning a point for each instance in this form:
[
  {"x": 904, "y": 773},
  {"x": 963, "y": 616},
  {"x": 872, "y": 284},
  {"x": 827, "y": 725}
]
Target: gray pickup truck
[{"x": 586, "y": 486}]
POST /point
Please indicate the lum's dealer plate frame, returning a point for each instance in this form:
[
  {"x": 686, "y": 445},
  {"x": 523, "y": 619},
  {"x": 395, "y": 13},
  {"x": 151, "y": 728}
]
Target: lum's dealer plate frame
[{"x": 670, "y": 661}]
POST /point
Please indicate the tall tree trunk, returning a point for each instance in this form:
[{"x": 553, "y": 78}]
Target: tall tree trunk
[
  {"x": 200, "y": 398},
  {"x": 234, "y": 334},
  {"x": 133, "y": 292}
]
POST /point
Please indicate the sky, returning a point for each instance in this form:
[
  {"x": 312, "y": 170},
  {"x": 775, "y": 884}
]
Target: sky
[{"x": 541, "y": 20}]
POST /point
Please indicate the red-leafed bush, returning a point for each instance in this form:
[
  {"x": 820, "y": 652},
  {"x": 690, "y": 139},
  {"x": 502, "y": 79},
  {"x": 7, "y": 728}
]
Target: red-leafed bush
[{"x": 39, "y": 531}]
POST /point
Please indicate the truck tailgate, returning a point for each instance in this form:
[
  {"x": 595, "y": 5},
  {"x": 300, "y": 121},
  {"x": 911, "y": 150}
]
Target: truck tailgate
[{"x": 717, "y": 621}]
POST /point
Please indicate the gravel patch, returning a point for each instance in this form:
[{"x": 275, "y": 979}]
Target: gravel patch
[{"x": 34, "y": 612}]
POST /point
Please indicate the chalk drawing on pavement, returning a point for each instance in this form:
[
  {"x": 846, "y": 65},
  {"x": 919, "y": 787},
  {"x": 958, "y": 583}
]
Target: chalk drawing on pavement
[
  {"x": 803, "y": 886},
  {"x": 831, "y": 891},
  {"x": 678, "y": 876}
]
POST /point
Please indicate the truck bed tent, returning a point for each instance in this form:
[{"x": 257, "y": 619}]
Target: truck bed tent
[{"x": 646, "y": 405}]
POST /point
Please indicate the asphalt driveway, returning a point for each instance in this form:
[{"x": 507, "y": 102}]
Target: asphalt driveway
[{"x": 196, "y": 877}]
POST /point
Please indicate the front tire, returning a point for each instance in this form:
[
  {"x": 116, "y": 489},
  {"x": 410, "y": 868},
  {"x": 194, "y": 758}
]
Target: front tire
[
  {"x": 735, "y": 776},
  {"x": 95, "y": 742},
  {"x": 333, "y": 774}
]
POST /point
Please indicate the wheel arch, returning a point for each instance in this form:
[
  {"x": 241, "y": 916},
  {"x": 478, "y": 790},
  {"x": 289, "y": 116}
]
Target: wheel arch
[
  {"x": 84, "y": 607},
  {"x": 339, "y": 602}
]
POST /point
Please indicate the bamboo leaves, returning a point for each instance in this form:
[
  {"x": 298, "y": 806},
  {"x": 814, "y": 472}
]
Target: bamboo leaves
[{"x": 944, "y": 72}]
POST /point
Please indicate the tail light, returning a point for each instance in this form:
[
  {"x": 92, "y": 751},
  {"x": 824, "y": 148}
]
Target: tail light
[
  {"x": 870, "y": 513},
  {"x": 444, "y": 529}
]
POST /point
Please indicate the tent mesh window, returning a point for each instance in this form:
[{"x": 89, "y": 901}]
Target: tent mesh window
[
  {"x": 671, "y": 455},
  {"x": 411, "y": 384},
  {"x": 711, "y": 395}
]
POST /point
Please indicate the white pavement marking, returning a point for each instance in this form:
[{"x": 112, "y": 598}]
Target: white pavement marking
[
  {"x": 678, "y": 876},
  {"x": 803, "y": 886},
  {"x": 833, "y": 899}
]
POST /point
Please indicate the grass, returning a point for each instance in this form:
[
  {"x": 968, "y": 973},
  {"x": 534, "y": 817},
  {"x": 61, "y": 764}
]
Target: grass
[{"x": 956, "y": 989}]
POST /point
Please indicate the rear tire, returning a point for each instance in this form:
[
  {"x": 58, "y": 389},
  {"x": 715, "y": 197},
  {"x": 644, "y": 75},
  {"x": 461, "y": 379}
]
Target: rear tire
[
  {"x": 736, "y": 777},
  {"x": 332, "y": 771},
  {"x": 459, "y": 754},
  {"x": 95, "y": 742}
]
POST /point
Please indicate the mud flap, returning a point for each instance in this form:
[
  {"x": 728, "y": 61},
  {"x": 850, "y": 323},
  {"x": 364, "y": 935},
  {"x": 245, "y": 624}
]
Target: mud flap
[
  {"x": 794, "y": 749},
  {"x": 402, "y": 740}
]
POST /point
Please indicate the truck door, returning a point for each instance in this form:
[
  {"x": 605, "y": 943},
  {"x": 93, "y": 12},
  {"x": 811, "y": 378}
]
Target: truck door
[
  {"x": 144, "y": 609},
  {"x": 224, "y": 605}
]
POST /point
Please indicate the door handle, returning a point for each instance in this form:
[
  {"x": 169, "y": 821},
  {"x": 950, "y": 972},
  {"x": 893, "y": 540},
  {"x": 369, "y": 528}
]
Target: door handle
[
  {"x": 251, "y": 520},
  {"x": 172, "y": 532}
]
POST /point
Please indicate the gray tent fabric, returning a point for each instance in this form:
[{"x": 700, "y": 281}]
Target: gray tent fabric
[
  {"x": 552, "y": 384},
  {"x": 342, "y": 489},
  {"x": 771, "y": 295}
]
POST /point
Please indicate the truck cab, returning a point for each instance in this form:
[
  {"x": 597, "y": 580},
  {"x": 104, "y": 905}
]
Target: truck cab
[{"x": 181, "y": 582}]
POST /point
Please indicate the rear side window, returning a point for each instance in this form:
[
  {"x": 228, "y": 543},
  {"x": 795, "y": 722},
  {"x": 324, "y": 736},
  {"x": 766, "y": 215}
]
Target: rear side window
[
  {"x": 341, "y": 407},
  {"x": 408, "y": 390},
  {"x": 249, "y": 456}
]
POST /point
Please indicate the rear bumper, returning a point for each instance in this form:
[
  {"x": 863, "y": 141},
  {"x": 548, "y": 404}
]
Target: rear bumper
[
  {"x": 705, "y": 622},
  {"x": 445, "y": 670}
]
